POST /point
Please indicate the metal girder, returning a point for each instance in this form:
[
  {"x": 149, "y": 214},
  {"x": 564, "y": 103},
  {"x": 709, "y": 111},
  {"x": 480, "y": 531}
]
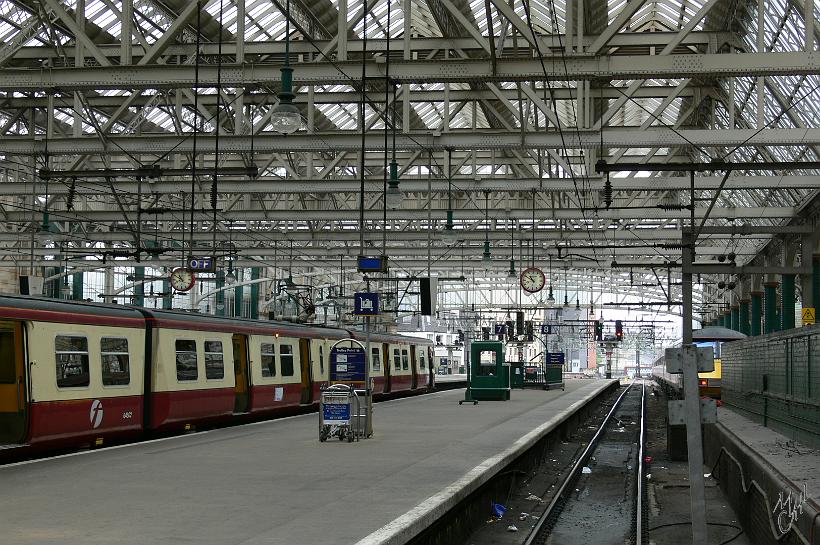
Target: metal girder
[
  {"x": 421, "y": 45},
  {"x": 418, "y": 214},
  {"x": 277, "y": 185},
  {"x": 350, "y": 233},
  {"x": 616, "y": 137},
  {"x": 417, "y": 71},
  {"x": 416, "y": 96}
]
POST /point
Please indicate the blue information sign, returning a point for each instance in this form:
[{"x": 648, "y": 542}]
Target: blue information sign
[
  {"x": 336, "y": 412},
  {"x": 365, "y": 304},
  {"x": 546, "y": 329},
  {"x": 555, "y": 357},
  {"x": 347, "y": 365},
  {"x": 500, "y": 329}
]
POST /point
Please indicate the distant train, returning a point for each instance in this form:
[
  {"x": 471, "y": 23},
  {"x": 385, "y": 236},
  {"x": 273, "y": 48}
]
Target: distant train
[
  {"x": 74, "y": 374},
  {"x": 708, "y": 383}
]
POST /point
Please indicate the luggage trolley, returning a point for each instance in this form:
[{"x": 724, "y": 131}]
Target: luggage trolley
[
  {"x": 339, "y": 413},
  {"x": 346, "y": 406}
]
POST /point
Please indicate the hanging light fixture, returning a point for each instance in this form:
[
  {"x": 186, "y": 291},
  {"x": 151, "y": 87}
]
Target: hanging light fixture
[
  {"x": 566, "y": 301},
  {"x": 392, "y": 197},
  {"x": 230, "y": 278},
  {"x": 486, "y": 258},
  {"x": 511, "y": 275},
  {"x": 285, "y": 117},
  {"x": 550, "y": 297},
  {"x": 45, "y": 234},
  {"x": 449, "y": 236}
]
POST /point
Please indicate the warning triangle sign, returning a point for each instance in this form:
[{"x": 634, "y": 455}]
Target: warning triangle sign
[{"x": 809, "y": 316}]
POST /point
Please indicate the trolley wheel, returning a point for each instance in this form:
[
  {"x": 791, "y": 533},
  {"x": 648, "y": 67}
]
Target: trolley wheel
[
  {"x": 322, "y": 435},
  {"x": 341, "y": 435},
  {"x": 350, "y": 437},
  {"x": 460, "y": 402}
]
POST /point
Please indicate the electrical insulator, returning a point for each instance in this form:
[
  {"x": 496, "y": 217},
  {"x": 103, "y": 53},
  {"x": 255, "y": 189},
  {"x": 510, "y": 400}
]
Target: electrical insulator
[{"x": 607, "y": 191}]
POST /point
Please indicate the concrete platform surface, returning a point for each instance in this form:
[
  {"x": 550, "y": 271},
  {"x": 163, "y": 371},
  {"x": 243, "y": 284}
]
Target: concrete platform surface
[
  {"x": 274, "y": 482},
  {"x": 797, "y": 462}
]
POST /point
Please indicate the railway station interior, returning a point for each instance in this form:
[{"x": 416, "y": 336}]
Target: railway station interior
[{"x": 429, "y": 272}]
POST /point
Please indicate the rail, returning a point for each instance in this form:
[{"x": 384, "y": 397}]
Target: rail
[{"x": 535, "y": 534}]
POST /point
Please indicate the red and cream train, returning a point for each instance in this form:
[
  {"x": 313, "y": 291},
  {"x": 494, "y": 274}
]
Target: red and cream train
[{"x": 76, "y": 373}]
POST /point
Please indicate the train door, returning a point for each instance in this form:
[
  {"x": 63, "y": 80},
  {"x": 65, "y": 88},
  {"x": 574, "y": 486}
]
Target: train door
[
  {"x": 307, "y": 375},
  {"x": 386, "y": 366},
  {"x": 240, "y": 371},
  {"x": 13, "y": 406},
  {"x": 414, "y": 368}
]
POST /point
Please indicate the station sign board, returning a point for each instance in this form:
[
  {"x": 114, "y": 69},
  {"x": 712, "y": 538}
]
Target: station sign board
[
  {"x": 347, "y": 365},
  {"x": 555, "y": 357},
  {"x": 366, "y": 304},
  {"x": 202, "y": 263}
]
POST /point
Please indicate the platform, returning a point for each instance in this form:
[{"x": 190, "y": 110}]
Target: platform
[
  {"x": 275, "y": 483},
  {"x": 772, "y": 481}
]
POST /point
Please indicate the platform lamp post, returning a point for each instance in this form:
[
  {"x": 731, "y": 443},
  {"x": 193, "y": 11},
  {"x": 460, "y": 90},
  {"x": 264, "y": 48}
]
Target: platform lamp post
[{"x": 285, "y": 118}]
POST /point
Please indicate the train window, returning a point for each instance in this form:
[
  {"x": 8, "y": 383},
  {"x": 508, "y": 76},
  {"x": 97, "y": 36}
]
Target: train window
[
  {"x": 422, "y": 363},
  {"x": 268, "y": 360},
  {"x": 286, "y": 355},
  {"x": 375, "y": 360},
  {"x": 214, "y": 361},
  {"x": 186, "y": 360},
  {"x": 405, "y": 360},
  {"x": 115, "y": 365},
  {"x": 72, "y": 361},
  {"x": 321, "y": 359},
  {"x": 396, "y": 359}
]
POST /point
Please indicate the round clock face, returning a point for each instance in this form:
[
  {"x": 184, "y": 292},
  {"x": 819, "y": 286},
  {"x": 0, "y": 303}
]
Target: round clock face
[
  {"x": 182, "y": 279},
  {"x": 532, "y": 280}
]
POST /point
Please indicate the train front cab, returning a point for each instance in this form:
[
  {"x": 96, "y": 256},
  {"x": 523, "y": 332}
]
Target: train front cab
[{"x": 13, "y": 389}]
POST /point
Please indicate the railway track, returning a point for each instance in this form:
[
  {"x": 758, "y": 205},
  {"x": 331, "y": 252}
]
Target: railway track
[{"x": 602, "y": 498}]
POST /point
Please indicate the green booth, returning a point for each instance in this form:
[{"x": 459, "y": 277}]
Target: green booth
[{"x": 489, "y": 377}]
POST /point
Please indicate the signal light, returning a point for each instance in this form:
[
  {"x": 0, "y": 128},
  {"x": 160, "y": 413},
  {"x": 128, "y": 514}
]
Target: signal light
[
  {"x": 703, "y": 382},
  {"x": 619, "y": 330}
]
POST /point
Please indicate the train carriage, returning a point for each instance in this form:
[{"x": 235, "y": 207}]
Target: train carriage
[
  {"x": 69, "y": 372},
  {"x": 81, "y": 373}
]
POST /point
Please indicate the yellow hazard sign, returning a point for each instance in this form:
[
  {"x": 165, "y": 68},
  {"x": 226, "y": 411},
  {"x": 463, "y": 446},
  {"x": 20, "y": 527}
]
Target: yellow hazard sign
[{"x": 809, "y": 316}]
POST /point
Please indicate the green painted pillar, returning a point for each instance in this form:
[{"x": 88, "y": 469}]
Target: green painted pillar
[
  {"x": 770, "y": 321},
  {"x": 220, "y": 295},
  {"x": 735, "y": 318},
  {"x": 139, "y": 288},
  {"x": 727, "y": 319},
  {"x": 254, "y": 310},
  {"x": 815, "y": 275},
  {"x": 168, "y": 300},
  {"x": 757, "y": 313},
  {"x": 743, "y": 317},
  {"x": 77, "y": 286},
  {"x": 237, "y": 295},
  {"x": 787, "y": 302}
]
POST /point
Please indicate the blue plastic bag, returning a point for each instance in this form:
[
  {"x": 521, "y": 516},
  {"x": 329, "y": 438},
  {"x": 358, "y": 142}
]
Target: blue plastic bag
[{"x": 498, "y": 509}]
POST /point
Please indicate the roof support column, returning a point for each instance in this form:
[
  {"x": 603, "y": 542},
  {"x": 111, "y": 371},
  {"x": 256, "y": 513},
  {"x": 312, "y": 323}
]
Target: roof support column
[
  {"x": 220, "y": 294},
  {"x": 808, "y": 17},
  {"x": 734, "y": 317},
  {"x": 407, "y": 10},
  {"x": 743, "y": 311},
  {"x": 238, "y": 293},
  {"x": 139, "y": 286},
  {"x": 77, "y": 286},
  {"x": 254, "y": 310},
  {"x": 757, "y": 306},
  {"x": 239, "y": 92},
  {"x": 108, "y": 284},
  {"x": 761, "y": 45},
  {"x": 126, "y": 24},
  {"x": 79, "y": 14},
  {"x": 341, "y": 45},
  {"x": 787, "y": 291}
]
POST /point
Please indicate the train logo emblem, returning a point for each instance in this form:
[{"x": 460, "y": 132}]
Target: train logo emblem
[{"x": 96, "y": 414}]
